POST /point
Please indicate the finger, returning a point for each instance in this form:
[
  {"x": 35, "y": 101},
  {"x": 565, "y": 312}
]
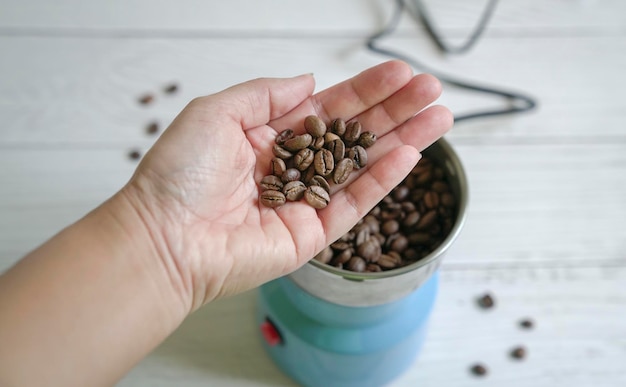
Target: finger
[
  {"x": 421, "y": 91},
  {"x": 351, "y": 97},
  {"x": 353, "y": 202},
  {"x": 259, "y": 101},
  {"x": 419, "y": 132}
]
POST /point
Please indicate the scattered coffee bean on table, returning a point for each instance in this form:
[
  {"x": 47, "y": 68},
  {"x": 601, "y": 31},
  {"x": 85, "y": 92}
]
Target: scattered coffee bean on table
[
  {"x": 306, "y": 165},
  {"x": 486, "y": 301},
  {"x": 134, "y": 154},
  {"x": 518, "y": 353},
  {"x": 171, "y": 88},
  {"x": 526, "y": 323},
  {"x": 146, "y": 99},
  {"x": 479, "y": 370},
  {"x": 404, "y": 227},
  {"x": 152, "y": 128}
]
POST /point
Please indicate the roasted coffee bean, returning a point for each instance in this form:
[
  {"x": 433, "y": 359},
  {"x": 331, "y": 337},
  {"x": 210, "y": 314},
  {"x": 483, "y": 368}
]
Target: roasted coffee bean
[
  {"x": 321, "y": 182},
  {"x": 410, "y": 255},
  {"x": 362, "y": 235},
  {"x": 281, "y": 152},
  {"x": 440, "y": 186},
  {"x": 420, "y": 238},
  {"x": 338, "y": 149},
  {"x": 427, "y": 220},
  {"x": 347, "y": 237},
  {"x": 291, "y": 174},
  {"x": 424, "y": 178},
  {"x": 303, "y": 159},
  {"x": 486, "y": 301},
  {"x": 373, "y": 268},
  {"x": 317, "y": 197},
  {"x": 372, "y": 223},
  {"x": 152, "y": 128},
  {"x": 447, "y": 199},
  {"x": 330, "y": 137},
  {"x": 294, "y": 190},
  {"x": 298, "y": 142},
  {"x": 387, "y": 262},
  {"x": 399, "y": 243},
  {"x": 356, "y": 264},
  {"x": 417, "y": 195},
  {"x": 526, "y": 323},
  {"x": 340, "y": 245},
  {"x": 314, "y": 126},
  {"x": 146, "y": 99},
  {"x": 411, "y": 219},
  {"x": 271, "y": 198},
  {"x": 338, "y": 127},
  {"x": 518, "y": 353},
  {"x": 400, "y": 193},
  {"x": 324, "y": 162},
  {"x": 393, "y": 211},
  {"x": 390, "y": 227},
  {"x": 134, "y": 154},
  {"x": 479, "y": 370},
  {"x": 344, "y": 256},
  {"x": 431, "y": 200},
  {"x": 408, "y": 207},
  {"x": 342, "y": 171},
  {"x": 271, "y": 182},
  {"x": 395, "y": 255},
  {"x": 379, "y": 237},
  {"x": 370, "y": 250},
  {"x": 283, "y": 136},
  {"x": 171, "y": 88},
  {"x": 325, "y": 255},
  {"x": 366, "y": 139},
  {"x": 317, "y": 144},
  {"x": 353, "y": 132},
  {"x": 308, "y": 175},
  {"x": 358, "y": 155},
  {"x": 277, "y": 166}
]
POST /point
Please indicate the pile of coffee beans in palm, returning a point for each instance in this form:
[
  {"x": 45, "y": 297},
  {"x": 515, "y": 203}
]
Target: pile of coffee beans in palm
[
  {"x": 306, "y": 165},
  {"x": 404, "y": 227}
]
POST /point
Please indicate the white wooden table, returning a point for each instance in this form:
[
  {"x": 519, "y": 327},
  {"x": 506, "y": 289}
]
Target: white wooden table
[{"x": 546, "y": 232}]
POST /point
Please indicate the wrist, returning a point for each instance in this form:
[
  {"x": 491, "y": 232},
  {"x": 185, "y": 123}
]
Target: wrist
[{"x": 142, "y": 225}]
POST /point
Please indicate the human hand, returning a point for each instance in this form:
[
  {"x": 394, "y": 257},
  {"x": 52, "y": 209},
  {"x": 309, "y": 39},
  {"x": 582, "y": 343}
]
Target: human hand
[{"x": 197, "y": 191}]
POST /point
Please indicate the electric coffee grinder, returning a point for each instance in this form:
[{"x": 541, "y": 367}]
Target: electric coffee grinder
[{"x": 325, "y": 326}]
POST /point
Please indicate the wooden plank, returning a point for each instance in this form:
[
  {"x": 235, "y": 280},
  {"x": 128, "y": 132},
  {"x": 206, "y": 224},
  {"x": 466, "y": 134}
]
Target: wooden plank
[
  {"x": 454, "y": 17},
  {"x": 543, "y": 203},
  {"x": 536, "y": 205},
  {"x": 72, "y": 90},
  {"x": 570, "y": 344}
]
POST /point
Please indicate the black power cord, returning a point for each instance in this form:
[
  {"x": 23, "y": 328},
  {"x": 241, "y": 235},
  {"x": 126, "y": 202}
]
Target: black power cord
[{"x": 518, "y": 102}]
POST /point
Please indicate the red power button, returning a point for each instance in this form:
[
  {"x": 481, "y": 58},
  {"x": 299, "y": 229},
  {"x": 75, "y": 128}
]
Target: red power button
[{"x": 271, "y": 333}]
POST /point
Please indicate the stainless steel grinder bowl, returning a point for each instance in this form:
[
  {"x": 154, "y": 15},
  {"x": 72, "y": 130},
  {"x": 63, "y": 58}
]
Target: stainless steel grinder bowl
[{"x": 349, "y": 288}]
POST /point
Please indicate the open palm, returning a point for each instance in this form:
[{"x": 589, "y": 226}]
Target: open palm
[{"x": 198, "y": 185}]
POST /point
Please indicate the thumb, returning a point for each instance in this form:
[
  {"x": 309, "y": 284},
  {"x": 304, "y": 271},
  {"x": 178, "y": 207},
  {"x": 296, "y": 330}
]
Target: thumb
[{"x": 261, "y": 100}]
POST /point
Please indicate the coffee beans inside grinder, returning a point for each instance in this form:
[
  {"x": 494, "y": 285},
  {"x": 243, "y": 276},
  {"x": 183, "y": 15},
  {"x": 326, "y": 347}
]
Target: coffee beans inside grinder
[{"x": 407, "y": 225}]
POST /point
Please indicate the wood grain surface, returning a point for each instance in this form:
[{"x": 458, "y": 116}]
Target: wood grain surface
[{"x": 546, "y": 228}]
